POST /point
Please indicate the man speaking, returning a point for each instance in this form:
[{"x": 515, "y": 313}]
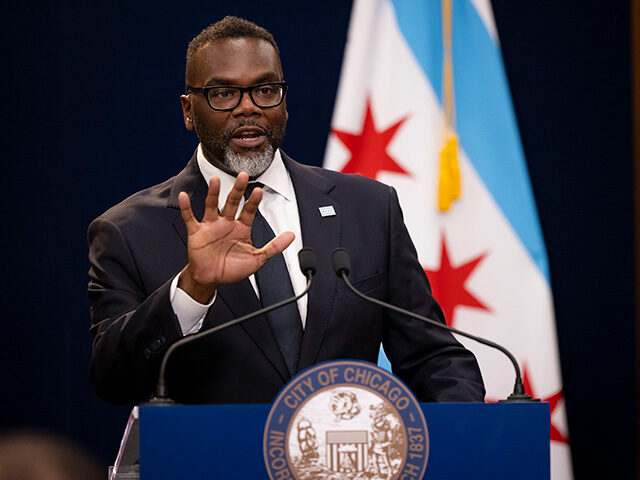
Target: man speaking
[{"x": 220, "y": 240}]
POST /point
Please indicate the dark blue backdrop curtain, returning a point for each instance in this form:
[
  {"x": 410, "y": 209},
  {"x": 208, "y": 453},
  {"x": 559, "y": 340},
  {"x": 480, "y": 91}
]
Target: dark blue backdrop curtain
[{"x": 91, "y": 115}]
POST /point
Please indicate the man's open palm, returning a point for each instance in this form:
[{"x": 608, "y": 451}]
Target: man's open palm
[{"x": 219, "y": 247}]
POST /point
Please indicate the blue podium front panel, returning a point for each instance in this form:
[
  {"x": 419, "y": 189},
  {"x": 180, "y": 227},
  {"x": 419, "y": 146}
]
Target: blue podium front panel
[{"x": 466, "y": 440}]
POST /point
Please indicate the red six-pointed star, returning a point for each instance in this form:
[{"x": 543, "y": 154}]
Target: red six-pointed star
[
  {"x": 369, "y": 148},
  {"x": 555, "y": 434},
  {"x": 447, "y": 284},
  {"x": 553, "y": 400}
]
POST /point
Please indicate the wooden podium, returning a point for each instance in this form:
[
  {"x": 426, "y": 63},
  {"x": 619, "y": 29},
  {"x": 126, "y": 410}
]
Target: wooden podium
[{"x": 466, "y": 441}]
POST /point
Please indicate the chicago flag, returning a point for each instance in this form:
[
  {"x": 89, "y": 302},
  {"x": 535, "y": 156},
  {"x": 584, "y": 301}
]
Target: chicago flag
[{"x": 423, "y": 105}]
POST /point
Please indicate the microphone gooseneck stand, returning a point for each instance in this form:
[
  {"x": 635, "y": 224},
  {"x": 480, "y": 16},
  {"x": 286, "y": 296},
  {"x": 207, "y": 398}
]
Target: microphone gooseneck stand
[
  {"x": 307, "y": 259},
  {"x": 342, "y": 267}
]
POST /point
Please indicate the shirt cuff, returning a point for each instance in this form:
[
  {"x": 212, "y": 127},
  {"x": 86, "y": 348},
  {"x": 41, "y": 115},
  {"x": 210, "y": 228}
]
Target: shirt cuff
[{"x": 189, "y": 312}]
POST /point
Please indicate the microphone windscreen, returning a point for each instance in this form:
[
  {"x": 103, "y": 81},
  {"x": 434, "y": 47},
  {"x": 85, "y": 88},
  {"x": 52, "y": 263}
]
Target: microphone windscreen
[
  {"x": 307, "y": 260},
  {"x": 341, "y": 262}
]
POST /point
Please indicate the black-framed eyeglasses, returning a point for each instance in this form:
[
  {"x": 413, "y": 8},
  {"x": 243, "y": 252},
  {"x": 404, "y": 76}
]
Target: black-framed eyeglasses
[{"x": 228, "y": 97}]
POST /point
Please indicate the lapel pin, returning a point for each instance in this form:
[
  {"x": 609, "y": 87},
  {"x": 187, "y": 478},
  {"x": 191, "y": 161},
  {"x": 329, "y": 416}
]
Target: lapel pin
[{"x": 327, "y": 211}]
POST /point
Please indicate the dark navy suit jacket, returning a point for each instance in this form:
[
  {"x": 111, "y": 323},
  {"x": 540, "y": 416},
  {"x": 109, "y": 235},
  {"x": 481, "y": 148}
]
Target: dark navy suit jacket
[{"x": 138, "y": 246}]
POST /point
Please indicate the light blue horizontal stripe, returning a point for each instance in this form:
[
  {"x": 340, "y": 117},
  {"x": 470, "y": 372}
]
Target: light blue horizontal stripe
[
  {"x": 383, "y": 361},
  {"x": 486, "y": 123}
]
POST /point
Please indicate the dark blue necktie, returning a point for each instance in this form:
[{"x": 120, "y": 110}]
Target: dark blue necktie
[{"x": 274, "y": 284}]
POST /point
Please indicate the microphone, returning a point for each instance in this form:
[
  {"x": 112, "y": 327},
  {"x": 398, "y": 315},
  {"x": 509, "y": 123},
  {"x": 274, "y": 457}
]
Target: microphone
[
  {"x": 307, "y": 260},
  {"x": 342, "y": 267}
]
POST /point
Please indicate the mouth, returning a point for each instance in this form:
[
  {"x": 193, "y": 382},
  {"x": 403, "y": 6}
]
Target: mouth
[{"x": 248, "y": 137}]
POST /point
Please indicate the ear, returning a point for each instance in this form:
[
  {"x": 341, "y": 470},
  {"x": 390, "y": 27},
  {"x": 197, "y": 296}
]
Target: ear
[{"x": 187, "y": 111}]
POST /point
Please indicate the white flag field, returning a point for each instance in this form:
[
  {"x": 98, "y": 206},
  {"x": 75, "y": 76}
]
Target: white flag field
[{"x": 424, "y": 105}]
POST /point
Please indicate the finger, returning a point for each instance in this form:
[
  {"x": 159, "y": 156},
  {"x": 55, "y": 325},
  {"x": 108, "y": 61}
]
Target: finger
[
  {"x": 211, "y": 202},
  {"x": 187, "y": 214},
  {"x": 233, "y": 199},
  {"x": 277, "y": 245},
  {"x": 250, "y": 207}
]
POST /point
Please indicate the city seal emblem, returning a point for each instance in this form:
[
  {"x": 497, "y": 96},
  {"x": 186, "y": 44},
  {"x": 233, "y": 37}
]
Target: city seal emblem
[{"x": 346, "y": 420}]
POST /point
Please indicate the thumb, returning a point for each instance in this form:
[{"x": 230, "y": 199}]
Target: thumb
[{"x": 278, "y": 244}]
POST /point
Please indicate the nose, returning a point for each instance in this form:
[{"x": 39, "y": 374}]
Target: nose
[{"x": 246, "y": 106}]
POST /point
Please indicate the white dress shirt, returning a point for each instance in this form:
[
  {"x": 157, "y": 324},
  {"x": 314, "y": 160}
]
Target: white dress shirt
[{"x": 279, "y": 207}]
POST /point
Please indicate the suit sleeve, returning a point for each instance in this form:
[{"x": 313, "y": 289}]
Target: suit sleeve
[
  {"x": 430, "y": 360},
  {"x": 132, "y": 328}
]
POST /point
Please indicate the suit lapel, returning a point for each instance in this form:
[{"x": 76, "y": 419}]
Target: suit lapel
[
  {"x": 240, "y": 297},
  {"x": 241, "y": 300},
  {"x": 322, "y": 234},
  {"x": 190, "y": 181}
]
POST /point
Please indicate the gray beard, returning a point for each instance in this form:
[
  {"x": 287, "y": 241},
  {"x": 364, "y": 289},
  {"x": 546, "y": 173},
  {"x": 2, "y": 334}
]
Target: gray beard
[{"x": 254, "y": 163}]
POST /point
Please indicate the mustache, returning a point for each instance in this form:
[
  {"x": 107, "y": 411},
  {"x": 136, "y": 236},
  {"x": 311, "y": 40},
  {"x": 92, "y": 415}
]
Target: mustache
[{"x": 227, "y": 135}]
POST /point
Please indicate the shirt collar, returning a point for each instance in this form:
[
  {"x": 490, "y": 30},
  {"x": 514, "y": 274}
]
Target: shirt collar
[{"x": 275, "y": 178}]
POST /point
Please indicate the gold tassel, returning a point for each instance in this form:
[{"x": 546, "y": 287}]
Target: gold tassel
[{"x": 449, "y": 181}]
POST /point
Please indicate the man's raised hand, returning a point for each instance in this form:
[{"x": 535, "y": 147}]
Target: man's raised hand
[{"x": 219, "y": 247}]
